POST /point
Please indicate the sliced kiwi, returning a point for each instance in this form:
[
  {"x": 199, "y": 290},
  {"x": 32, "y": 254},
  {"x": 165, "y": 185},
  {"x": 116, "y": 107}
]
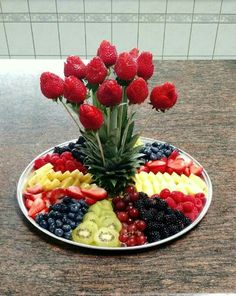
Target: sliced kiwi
[
  {"x": 106, "y": 204},
  {"x": 91, "y": 216},
  {"x": 96, "y": 208},
  {"x": 84, "y": 233},
  {"x": 106, "y": 237},
  {"x": 110, "y": 222}
]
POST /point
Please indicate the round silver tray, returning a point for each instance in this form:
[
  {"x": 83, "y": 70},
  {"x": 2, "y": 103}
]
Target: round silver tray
[{"x": 25, "y": 174}]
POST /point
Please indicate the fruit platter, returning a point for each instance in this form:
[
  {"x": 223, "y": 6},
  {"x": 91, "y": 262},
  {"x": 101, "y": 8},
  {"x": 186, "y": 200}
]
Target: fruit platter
[{"x": 111, "y": 188}]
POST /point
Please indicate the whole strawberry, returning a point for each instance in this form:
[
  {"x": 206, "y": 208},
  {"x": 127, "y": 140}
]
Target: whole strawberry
[
  {"x": 109, "y": 93},
  {"x": 145, "y": 65},
  {"x": 164, "y": 96},
  {"x": 74, "y": 90},
  {"x": 107, "y": 53},
  {"x": 137, "y": 91},
  {"x": 52, "y": 86},
  {"x": 74, "y": 66},
  {"x": 90, "y": 117},
  {"x": 134, "y": 52},
  {"x": 96, "y": 71},
  {"x": 126, "y": 67}
]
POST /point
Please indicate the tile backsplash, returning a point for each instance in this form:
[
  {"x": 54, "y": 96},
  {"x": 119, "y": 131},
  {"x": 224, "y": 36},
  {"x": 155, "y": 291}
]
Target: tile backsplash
[{"x": 171, "y": 29}]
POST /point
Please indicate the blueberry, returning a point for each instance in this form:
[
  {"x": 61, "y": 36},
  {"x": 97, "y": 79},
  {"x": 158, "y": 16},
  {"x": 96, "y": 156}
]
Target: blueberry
[
  {"x": 154, "y": 149},
  {"x": 67, "y": 200},
  {"x": 153, "y": 156},
  {"x": 67, "y": 235},
  {"x": 51, "y": 221},
  {"x": 155, "y": 144},
  {"x": 74, "y": 208},
  {"x": 58, "y": 223},
  {"x": 58, "y": 232},
  {"x": 72, "y": 224},
  {"x": 71, "y": 145},
  {"x": 52, "y": 227},
  {"x": 39, "y": 217},
  {"x": 83, "y": 203},
  {"x": 64, "y": 218},
  {"x": 159, "y": 155},
  {"x": 168, "y": 152},
  {"x": 43, "y": 224},
  {"x": 76, "y": 154},
  {"x": 51, "y": 214},
  {"x": 148, "y": 151},
  {"x": 57, "y": 207},
  {"x": 58, "y": 215},
  {"x": 148, "y": 144},
  {"x": 78, "y": 218},
  {"x": 71, "y": 215},
  {"x": 66, "y": 227}
]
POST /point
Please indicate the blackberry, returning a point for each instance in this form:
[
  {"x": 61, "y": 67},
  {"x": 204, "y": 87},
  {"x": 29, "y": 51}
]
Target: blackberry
[
  {"x": 151, "y": 226},
  {"x": 170, "y": 219},
  {"x": 153, "y": 236},
  {"x": 160, "y": 217},
  {"x": 161, "y": 204},
  {"x": 180, "y": 216},
  {"x": 164, "y": 232},
  {"x": 173, "y": 229}
]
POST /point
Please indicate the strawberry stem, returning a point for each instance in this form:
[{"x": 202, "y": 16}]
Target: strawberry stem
[
  {"x": 68, "y": 111},
  {"x": 100, "y": 147}
]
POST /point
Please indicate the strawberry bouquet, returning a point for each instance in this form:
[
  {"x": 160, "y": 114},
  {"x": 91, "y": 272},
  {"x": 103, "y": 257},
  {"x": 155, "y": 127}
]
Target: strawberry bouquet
[{"x": 99, "y": 96}]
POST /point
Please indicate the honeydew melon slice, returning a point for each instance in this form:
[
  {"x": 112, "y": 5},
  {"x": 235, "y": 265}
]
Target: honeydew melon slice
[
  {"x": 175, "y": 178},
  {"x": 167, "y": 177},
  {"x": 198, "y": 181}
]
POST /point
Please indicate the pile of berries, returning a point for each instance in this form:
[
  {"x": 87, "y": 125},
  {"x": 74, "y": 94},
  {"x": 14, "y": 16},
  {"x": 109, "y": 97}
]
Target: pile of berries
[
  {"x": 63, "y": 217},
  {"x": 61, "y": 162},
  {"x": 161, "y": 220},
  {"x": 132, "y": 232},
  {"x": 74, "y": 148},
  {"x": 156, "y": 151},
  {"x": 190, "y": 205}
]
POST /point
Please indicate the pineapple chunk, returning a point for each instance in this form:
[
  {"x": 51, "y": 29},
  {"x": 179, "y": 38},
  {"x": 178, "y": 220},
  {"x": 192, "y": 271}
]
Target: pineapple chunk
[
  {"x": 77, "y": 174},
  {"x": 44, "y": 169},
  {"x": 76, "y": 182},
  {"x": 58, "y": 175},
  {"x": 65, "y": 175},
  {"x": 85, "y": 186},
  {"x": 50, "y": 185},
  {"x": 171, "y": 185},
  {"x": 87, "y": 178},
  {"x": 67, "y": 182}
]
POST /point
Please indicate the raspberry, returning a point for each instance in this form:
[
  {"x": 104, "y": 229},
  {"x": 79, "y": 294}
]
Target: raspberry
[
  {"x": 107, "y": 53},
  {"x": 47, "y": 157},
  {"x": 171, "y": 203},
  {"x": 67, "y": 155},
  {"x": 59, "y": 167},
  {"x": 188, "y": 207},
  {"x": 198, "y": 204},
  {"x": 200, "y": 196},
  {"x": 38, "y": 163},
  {"x": 70, "y": 165},
  {"x": 191, "y": 216},
  {"x": 74, "y": 66},
  {"x": 189, "y": 198},
  {"x": 164, "y": 193},
  {"x": 74, "y": 90},
  {"x": 109, "y": 93},
  {"x": 145, "y": 65},
  {"x": 52, "y": 86},
  {"x": 126, "y": 66},
  {"x": 90, "y": 117},
  {"x": 54, "y": 159},
  {"x": 164, "y": 96},
  {"x": 137, "y": 91},
  {"x": 180, "y": 207},
  {"x": 96, "y": 71},
  {"x": 177, "y": 196},
  {"x": 134, "y": 53}
]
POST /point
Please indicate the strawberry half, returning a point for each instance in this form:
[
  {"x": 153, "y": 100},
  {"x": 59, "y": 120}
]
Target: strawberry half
[
  {"x": 75, "y": 192},
  {"x": 28, "y": 203},
  {"x": 174, "y": 154},
  {"x": 37, "y": 206},
  {"x": 157, "y": 166},
  {"x": 95, "y": 193},
  {"x": 90, "y": 201},
  {"x": 32, "y": 196},
  {"x": 143, "y": 168},
  {"x": 177, "y": 165},
  {"x": 36, "y": 189},
  {"x": 56, "y": 194},
  {"x": 196, "y": 170}
]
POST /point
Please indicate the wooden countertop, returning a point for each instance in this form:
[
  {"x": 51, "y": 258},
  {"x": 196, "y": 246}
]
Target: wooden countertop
[{"x": 202, "y": 123}]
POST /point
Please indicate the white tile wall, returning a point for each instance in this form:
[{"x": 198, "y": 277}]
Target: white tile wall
[
  {"x": 209, "y": 36},
  {"x": 202, "y": 39},
  {"x": 19, "y": 38},
  {"x": 125, "y": 36},
  {"x": 151, "y": 38},
  {"x": 176, "y": 39},
  {"x": 225, "y": 44},
  {"x": 3, "y": 43},
  {"x": 95, "y": 33},
  {"x": 46, "y": 39},
  {"x": 72, "y": 38}
]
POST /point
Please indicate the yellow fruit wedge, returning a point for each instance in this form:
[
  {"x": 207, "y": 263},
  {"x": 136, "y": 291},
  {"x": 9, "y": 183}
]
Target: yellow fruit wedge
[
  {"x": 67, "y": 182},
  {"x": 50, "y": 185},
  {"x": 147, "y": 188},
  {"x": 198, "y": 181},
  {"x": 51, "y": 174},
  {"x": 85, "y": 186},
  {"x": 192, "y": 188},
  {"x": 143, "y": 176},
  {"x": 156, "y": 187},
  {"x": 58, "y": 175},
  {"x": 77, "y": 174},
  {"x": 32, "y": 181},
  {"x": 159, "y": 177},
  {"x": 65, "y": 175},
  {"x": 181, "y": 187},
  {"x": 44, "y": 169},
  {"x": 87, "y": 178},
  {"x": 167, "y": 177},
  {"x": 184, "y": 179},
  {"x": 176, "y": 178},
  {"x": 171, "y": 185},
  {"x": 76, "y": 182},
  {"x": 138, "y": 186}
]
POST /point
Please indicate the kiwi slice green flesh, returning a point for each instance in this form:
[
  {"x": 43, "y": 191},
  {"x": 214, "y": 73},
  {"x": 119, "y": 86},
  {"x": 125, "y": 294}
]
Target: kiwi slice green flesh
[
  {"x": 91, "y": 216},
  {"x": 106, "y": 204},
  {"x": 96, "y": 208},
  {"x": 106, "y": 237},
  {"x": 111, "y": 222},
  {"x": 84, "y": 233}
]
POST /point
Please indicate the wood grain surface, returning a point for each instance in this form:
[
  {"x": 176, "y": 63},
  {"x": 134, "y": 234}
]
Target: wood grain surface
[{"x": 202, "y": 123}]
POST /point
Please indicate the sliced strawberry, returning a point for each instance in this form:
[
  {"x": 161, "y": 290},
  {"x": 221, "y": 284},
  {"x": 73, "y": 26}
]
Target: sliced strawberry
[
  {"x": 177, "y": 165},
  {"x": 187, "y": 171},
  {"x": 180, "y": 157},
  {"x": 169, "y": 170},
  {"x": 74, "y": 192},
  {"x": 37, "y": 206},
  {"x": 174, "y": 154},
  {"x": 32, "y": 196},
  {"x": 143, "y": 168},
  {"x": 95, "y": 193},
  {"x": 47, "y": 202},
  {"x": 36, "y": 189},
  {"x": 157, "y": 166},
  {"x": 196, "y": 170},
  {"x": 56, "y": 194},
  {"x": 188, "y": 162},
  {"x": 90, "y": 201},
  {"x": 28, "y": 203}
]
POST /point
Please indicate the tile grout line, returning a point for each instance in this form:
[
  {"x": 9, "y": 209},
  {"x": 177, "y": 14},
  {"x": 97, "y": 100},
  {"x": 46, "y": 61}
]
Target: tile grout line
[
  {"x": 31, "y": 28},
  {"x": 191, "y": 29},
  {"x": 58, "y": 29},
  {"x": 5, "y": 32},
  {"x": 217, "y": 29},
  {"x": 85, "y": 35},
  {"x": 138, "y": 23},
  {"x": 164, "y": 32}
]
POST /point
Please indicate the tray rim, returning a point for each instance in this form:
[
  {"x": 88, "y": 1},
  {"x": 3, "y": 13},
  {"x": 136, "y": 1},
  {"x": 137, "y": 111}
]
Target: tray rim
[{"x": 21, "y": 204}]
